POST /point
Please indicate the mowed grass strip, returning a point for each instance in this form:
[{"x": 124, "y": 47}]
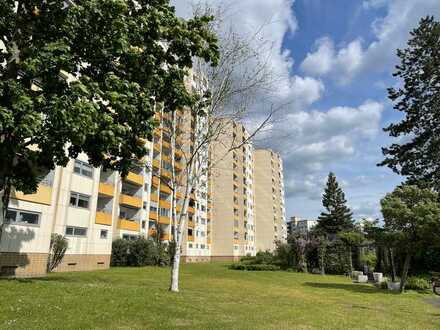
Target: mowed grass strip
[{"x": 211, "y": 297}]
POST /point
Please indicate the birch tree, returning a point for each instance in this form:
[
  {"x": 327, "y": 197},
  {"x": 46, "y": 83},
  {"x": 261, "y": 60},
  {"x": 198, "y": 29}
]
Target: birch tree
[{"x": 224, "y": 94}]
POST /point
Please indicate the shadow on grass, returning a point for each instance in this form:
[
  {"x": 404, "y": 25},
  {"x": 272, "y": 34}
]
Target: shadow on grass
[{"x": 357, "y": 288}]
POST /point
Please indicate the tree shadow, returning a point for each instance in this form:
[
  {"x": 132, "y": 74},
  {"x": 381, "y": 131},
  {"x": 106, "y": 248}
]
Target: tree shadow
[
  {"x": 357, "y": 288},
  {"x": 11, "y": 259}
]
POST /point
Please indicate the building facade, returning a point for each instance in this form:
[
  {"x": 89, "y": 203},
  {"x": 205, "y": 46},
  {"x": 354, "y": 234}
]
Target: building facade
[
  {"x": 300, "y": 226},
  {"x": 92, "y": 207},
  {"x": 233, "y": 228},
  {"x": 269, "y": 199}
]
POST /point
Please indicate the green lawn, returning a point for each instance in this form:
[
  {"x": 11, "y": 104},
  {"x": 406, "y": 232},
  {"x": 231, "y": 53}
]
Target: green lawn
[{"x": 212, "y": 297}]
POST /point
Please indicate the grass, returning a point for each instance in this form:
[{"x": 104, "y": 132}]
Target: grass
[{"x": 211, "y": 297}]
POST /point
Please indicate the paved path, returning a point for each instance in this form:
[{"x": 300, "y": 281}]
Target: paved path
[{"x": 434, "y": 301}]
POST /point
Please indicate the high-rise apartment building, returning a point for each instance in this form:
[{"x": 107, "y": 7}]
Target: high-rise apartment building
[
  {"x": 233, "y": 228},
  {"x": 92, "y": 207},
  {"x": 269, "y": 199}
]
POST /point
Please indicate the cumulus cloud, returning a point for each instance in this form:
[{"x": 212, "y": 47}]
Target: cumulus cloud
[
  {"x": 391, "y": 32},
  {"x": 317, "y": 140},
  {"x": 326, "y": 59}
]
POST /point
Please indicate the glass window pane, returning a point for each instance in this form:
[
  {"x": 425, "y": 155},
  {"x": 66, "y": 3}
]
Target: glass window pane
[
  {"x": 77, "y": 167},
  {"x": 83, "y": 201},
  {"x": 30, "y": 218},
  {"x": 69, "y": 230},
  {"x": 80, "y": 231},
  {"x": 11, "y": 215},
  {"x": 103, "y": 234},
  {"x": 73, "y": 198}
]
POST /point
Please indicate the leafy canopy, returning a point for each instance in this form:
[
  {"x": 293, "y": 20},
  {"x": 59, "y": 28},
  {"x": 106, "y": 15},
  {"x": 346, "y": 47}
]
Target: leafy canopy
[
  {"x": 86, "y": 76},
  {"x": 418, "y": 98},
  {"x": 413, "y": 214}
]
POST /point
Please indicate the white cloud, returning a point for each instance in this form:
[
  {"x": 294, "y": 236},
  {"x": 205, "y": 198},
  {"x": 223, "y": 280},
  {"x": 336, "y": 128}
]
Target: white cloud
[
  {"x": 391, "y": 32},
  {"x": 344, "y": 63}
]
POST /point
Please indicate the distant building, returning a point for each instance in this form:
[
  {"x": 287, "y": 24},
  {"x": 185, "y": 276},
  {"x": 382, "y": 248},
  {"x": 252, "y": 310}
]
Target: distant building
[{"x": 298, "y": 225}]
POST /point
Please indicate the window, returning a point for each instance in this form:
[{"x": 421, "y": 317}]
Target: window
[
  {"x": 104, "y": 234},
  {"x": 76, "y": 231},
  {"x": 143, "y": 224},
  {"x": 190, "y": 232},
  {"x": 79, "y": 200},
  {"x": 23, "y": 217},
  {"x": 144, "y": 205},
  {"x": 130, "y": 237},
  {"x": 146, "y": 187},
  {"x": 164, "y": 196},
  {"x": 82, "y": 168},
  {"x": 202, "y": 246},
  {"x": 190, "y": 245},
  {"x": 164, "y": 212}
]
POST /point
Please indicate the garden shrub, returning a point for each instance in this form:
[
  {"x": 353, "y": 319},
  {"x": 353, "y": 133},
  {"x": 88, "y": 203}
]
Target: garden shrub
[
  {"x": 120, "y": 251},
  {"x": 253, "y": 267},
  {"x": 57, "y": 250},
  {"x": 142, "y": 252},
  {"x": 417, "y": 283}
]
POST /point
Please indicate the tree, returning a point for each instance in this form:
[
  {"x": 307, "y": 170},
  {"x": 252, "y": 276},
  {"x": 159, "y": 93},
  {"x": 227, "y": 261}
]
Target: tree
[
  {"x": 418, "y": 98},
  {"x": 222, "y": 95},
  {"x": 413, "y": 215},
  {"x": 300, "y": 243},
  {"x": 338, "y": 216},
  {"x": 351, "y": 239},
  {"x": 86, "y": 76}
]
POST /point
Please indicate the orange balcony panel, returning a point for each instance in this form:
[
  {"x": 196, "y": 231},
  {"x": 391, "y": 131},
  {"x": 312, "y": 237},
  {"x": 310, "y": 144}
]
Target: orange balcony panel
[
  {"x": 178, "y": 153},
  {"x": 208, "y": 241},
  {"x": 42, "y": 196},
  {"x": 179, "y": 194},
  {"x": 190, "y": 238},
  {"x": 166, "y": 173},
  {"x": 154, "y": 198},
  {"x": 178, "y": 166},
  {"x": 103, "y": 218},
  {"x": 164, "y": 220},
  {"x": 166, "y": 144},
  {"x": 128, "y": 225},
  {"x": 134, "y": 178},
  {"x": 152, "y": 216},
  {"x": 178, "y": 208},
  {"x": 190, "y": 224},
  {"x": 165, "y": 189},
  {"x": 165, "y": 237},
  {"x": 155, "y": 181},
  {"x": 166, "y": 158},
  {"x": 131, "y": 201},
  {"x": 191, "y": 210},
  {"x": 106, "y": 189},
  {"x": 165, "y": 204},
  {"x": 156, "y": 163},
  {"x": 236, "y": 241}
]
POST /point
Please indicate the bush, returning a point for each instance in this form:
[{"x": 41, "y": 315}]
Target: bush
[
  {"x": 142, "y": 252},
  {"x": 417, "y": 283},
  {"x": 120, "y": 252},
  {"x": 253, "y": 267},
  {"x": 265, "y": 257},
  {"x": 57, "y": 249}
]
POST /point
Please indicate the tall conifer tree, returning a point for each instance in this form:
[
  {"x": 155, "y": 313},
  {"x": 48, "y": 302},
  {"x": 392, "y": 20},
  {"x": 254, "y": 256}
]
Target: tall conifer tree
[{"x": 338, "y": 217}]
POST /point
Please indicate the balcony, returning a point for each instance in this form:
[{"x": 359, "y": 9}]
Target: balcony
[
  {"x": 130, "y": 201},
  {"x": 155, "y": 181},
  {"x": 152, "y": 216},
  {"x": 165, "y": 189},
  {"x": 156, "y": 163},
  {"x": 164, "y": 220},
  {"x": 106, "y": 189},
  {"x": 134, "y": 178},
  {"x": 190, "y": 238},
  {"x": 42, "y": 196},
  {"x": 130, "y": 225},
  {"x": 165, "y": 237},
  {"x": 165, "y": 204},
  {"x": 103, "y": 218},
  {"x": 191, "y": 209},
  {"x": 166, "y": 173}
]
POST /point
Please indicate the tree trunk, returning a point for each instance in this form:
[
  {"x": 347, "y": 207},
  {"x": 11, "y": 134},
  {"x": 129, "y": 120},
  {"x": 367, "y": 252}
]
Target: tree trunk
[
  {"x": 393, "y": 266},
  {"x": 175, "y": 267},
  {"x": 322, "y": 261},
  {"x": 350, "y": 259},
  {"x": 405, "y": 272}
]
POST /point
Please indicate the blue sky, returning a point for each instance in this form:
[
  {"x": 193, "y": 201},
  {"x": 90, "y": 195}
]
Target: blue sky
[{"x": 336, "y": 58}]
